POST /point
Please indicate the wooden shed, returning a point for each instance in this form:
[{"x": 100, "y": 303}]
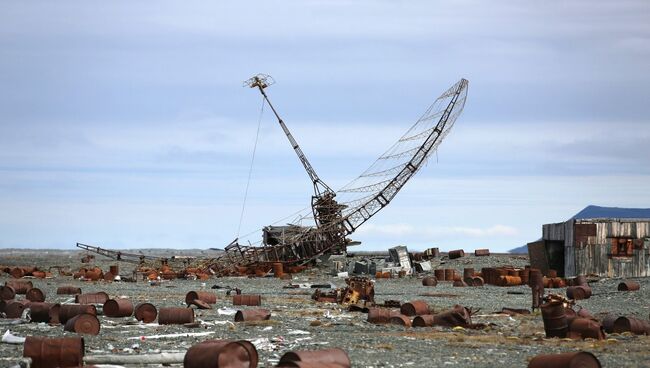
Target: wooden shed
[{"x": 603, "y": 246}]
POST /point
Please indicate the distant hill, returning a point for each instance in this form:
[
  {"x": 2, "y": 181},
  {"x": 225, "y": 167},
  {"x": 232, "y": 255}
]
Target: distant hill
[{"x": 595, "y": 212}]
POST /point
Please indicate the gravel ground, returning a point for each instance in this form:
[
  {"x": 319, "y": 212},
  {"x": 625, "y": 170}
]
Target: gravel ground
[{"x": 300, "y": 323}]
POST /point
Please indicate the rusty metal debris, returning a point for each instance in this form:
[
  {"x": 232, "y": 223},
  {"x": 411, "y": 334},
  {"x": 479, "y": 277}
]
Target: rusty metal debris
[
  {"x": 118, "y": 308},
  {"x": 247, "y": 299},
  {"x": 221, "y": 353},
  {"x": 328, "y": 358},
  {"x": 415, "y": 308},
  {"x": 631, "y": 324},
  {"x": 481, "y": 252},
  {"x": 146, "y": 312},
  {"x": 84, "y": 323},
  {"x": 54, "y": 352},
  {"x": 44, "y": 312},
  {"x": 582, "y": 359},
  {"x": 175, "y": 316},
  {"x": 628, "y": 286},
  {"x": 360, "y": 293},
  {"x": 252, "y": 315},
  {"x": 68, "y": 311},
  {"x": 453, "y": 254}
]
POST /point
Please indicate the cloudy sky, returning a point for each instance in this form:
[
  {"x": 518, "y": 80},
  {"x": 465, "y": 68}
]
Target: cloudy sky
[{"x": 124, "y": 123}]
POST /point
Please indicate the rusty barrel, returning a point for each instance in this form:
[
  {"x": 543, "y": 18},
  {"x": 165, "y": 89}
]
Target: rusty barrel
[
  {"x": 58, "y": 352},
  {"x": 481, "y": 252},
  {"x": 456, "y": 316},
  {"x": 175, "y": 316},
  {"x": 583, "y": 328},
  {"x": 7, "y": 292},
  {"x": 44, "y": 312},
  {"x": 509, "y": 281},
  {"x": 439, "y": 274},
  {"x": 252, "y": 315},
  {"x": 459, "y": 283},
  {"x": 400, "y": 320},
  {"x": 109, "y": 277},
  {"x": 631, "y": 324},
  {"x": 20, "y": 286},
  {"x": 68, "y": 290},
  {"x": 316, "y": 358},
  {"x": 525, "y": 276},
  {"x": 453, "y": 254},
  {"x": 558, "y": 282},
  {"x": 221, "y": 353},
  {"x": 629, "y": 286},
  {"x": 204, "y": 296},
  {"x": 578, "y": 292},
  {"x": 476, "y": 281},
  {"x": 118, "y": 308},
  {"x": 581, "y": 359},
  {"x": 146, "y": 312},
  {"x": 450, "y": 273},
  {"x": 426, "y": 320},
  {"x": 278, "y": 269},
  {"x": 429, "y": 281},
  {"x": 17, "y": 272},
  {"x": 67, "y": 311},
  {"x": 94, "y": 275},
  {"x": 15, "y": 308},
  {"x": 415, "y": 308},
  {"x": 555, "y": 321},
  {"x": 99, "y": 297},
  {"x": 551, "y": 274},
  {"x": 580, "y": 280},
  {"x": 608, "y": 322},
  {"x": 468, "y": 273},
  {"x": 381, "y": 315},
  {"x": 114, "y": 269},
  {"x": 84, "y": 323},
  {"x": 35, "y": 295},
  {"x": 247, "y": 299},
  {"x": 513, "y": 272}
]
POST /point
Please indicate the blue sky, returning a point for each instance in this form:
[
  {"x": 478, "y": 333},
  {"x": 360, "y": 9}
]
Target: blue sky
[{"x": 125, "y": 123}]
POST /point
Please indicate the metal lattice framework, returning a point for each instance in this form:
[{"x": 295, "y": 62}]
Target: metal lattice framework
[{"x": 337, "y": 215}]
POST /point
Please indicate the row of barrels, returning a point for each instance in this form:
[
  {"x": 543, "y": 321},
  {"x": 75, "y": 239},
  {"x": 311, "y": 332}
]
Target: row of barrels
[
  {"x": 70, "y": 351},
  {"x": 418, "y": 314},
  {"x": 22, "y": 271}
]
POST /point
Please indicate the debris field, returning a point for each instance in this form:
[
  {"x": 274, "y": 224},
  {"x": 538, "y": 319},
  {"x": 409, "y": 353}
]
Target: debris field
[{"x": 285, "y": 315}]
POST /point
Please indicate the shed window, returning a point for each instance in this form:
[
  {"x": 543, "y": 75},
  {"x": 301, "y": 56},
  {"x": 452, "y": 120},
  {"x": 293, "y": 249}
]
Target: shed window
[{"x": 622, "y": 247}]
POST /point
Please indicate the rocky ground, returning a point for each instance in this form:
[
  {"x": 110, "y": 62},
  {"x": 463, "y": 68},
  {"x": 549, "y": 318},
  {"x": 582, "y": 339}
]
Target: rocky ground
[{"x": 298, "y": 322}]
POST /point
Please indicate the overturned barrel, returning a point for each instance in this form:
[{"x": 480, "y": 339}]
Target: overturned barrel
[
  {"x": 84, "y": 323},
  {"x": 54, "y": 352},
  {"x": 580, "y": 359},
  {"x": 631, "y": 324},
  {"x": 99, "y": 297},
  {"x": 453, "y": 254},
  {"x": 583, "y": 328},
  {"x": 175, "y": 316},
  {"x": 67, "y": 311},
  {"x": 629, "y": 286},
  {"x": 439, "y": 274},
  {"x": 20, "y": 286},
  {"x": 204, "y": 296},
  {"x": 7, "y": 292},
  {"x": 578, "y": 292},
  {"x": 15, "y": 308},
  {"x": 400, "y": 320},
  {"x": 426, "y": 320},
  {"x": 481, "y": 252},
  {"x": 35, "y": 295},
  {"x": 252, "y": 315},
  {"x": 117, "y": 308},
  {"x": 429, "y": 281},
  {"x": 415, "y": 308},
  {"x": 381, "y": 315},
  {"x": 146, "y": 312},
  {"x": 44, "y": 312},
  {"x": 316, "y": 358},
  {"x": 221, "y": 353},
  {"x": 246, "y": 299}
]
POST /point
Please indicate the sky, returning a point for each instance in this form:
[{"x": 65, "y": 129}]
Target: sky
[{"x": 124, "y": 124}]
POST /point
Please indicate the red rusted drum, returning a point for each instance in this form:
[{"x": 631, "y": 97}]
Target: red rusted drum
[
  {"x": 580, "y": 280},
  {"x": 381, "y": 315},
  {"x": 109, "y": 277},
  {"x": 457, "y": 316},
  {"x": 93, "y": 275},
  {"x": 169, "y": 275},
  {"x": 205, "y": 296},
  {"x": 15, "y": 308},
  {"x": 39, "y": 274},
  {"x": 423, "y": 321},
  {"x": 68, "y": 290},
  {"x": 513, "y": 272},
  {"x": 117, "y": 308},
  {"x": 146, "y": 312},
  {"x": 476, "y": 281},
  {"x": 558, "y": 282},
  {"x": 555, "y": 321},
  {"x": 468, "y": 273},
  {"x": 415, "y": 308},
  {"x": 449, "y": 274},
  {"x": 20, "y": 286},
  {"x": 551, "y": 274},
  {"x": 525, "y": 276},
  {"x": 459, "y": 283},
  {"x": 481, "y": 252},
  {"x": 17, "y": 272},
  {"x": 578, "y": 292},
  {"x": 68, "y": 311},
  {"x": 631, "y": 324},
  {"x": 440, "y": 274},
  {"x": 317, "y": 358},
  {"x": 629, "y": 286},
  {"x": 509, "y": 281},
  {"x": 7, "y": 292},
  {"x": 85, "y": 323},
  {"x": 252, "y": 315},
  {"x": 278, "y": 269},
  {"x": 429, "y": 281},
  {"x": 453, "y": 254},
  {"x": 35, "y": 295},
  {"x": 114, "y": 269},
  {"x": 583, "y": 328},
  {"x": 44, "y": 312},
  {"x": 400, "y": 320},
  {"x": 581, "y": 359},
  {"x": 175, "y": 316},
  {"x": 608, "y": 322},
  {"x": 243, "y": 299},
  {"x": 221, "y": 353},
  {"x": 91, "y": 298},
  {"x": 59, "y": 352}
]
